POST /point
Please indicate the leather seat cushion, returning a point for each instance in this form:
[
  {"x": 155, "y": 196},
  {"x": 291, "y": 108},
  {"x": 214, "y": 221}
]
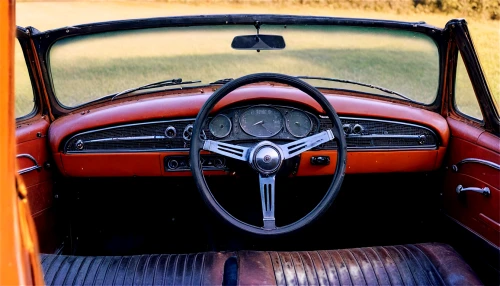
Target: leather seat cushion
[
  {"x": 419, "y": 264},
  {"x": 174, "y": 269}
]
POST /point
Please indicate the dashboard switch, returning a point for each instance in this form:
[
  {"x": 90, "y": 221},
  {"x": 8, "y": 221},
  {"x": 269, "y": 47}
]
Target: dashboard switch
[
  {"x": 181, "y": 163},
  {"x": 320, "y": 160},
  {"x": 173, "y": 164}
]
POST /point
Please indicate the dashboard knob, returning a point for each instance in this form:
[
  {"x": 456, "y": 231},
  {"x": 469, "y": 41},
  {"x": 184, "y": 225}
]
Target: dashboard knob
[
  {"x": 422, "y": 139},
  {"x": 188, "y": 132},
  {"x": 79, "y": 145},
  {"x": 219, "y": 163},
  {"x": 173, "y": 164},
  {"x": 357, "y": 129},
  {"x": 347, "y": 128},
  {"x": 170, "y": 132}
]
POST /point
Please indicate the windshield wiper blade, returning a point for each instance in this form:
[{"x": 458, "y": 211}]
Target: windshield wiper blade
[
  {"x": 360, "y": 84},
  {"x": 168, "y": 82},
  {"x": 222, "y": 81}
]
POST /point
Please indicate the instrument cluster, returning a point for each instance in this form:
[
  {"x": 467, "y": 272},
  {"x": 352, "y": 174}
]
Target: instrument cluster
[{"x": 262, "y": 121}]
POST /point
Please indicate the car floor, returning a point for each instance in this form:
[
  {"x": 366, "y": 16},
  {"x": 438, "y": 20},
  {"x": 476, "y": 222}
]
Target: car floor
[{"x": 129, "y": 216}]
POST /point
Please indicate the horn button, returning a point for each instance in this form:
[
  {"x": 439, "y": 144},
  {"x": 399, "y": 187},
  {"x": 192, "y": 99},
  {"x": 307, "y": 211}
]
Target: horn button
[{"x": 266, "y": 158}]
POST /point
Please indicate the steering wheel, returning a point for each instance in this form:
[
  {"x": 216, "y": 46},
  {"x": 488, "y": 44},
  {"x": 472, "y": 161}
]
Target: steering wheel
[{"x": 266, "y": 157}]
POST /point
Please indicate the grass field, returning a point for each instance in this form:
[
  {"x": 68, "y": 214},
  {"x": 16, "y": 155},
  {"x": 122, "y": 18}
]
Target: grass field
[{"x": 52, "y": 15}]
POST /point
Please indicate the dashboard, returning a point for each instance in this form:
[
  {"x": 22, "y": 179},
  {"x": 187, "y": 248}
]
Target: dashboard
[
  {"x": 247, "y": 124},
  {"x": 160, "y": 146}
]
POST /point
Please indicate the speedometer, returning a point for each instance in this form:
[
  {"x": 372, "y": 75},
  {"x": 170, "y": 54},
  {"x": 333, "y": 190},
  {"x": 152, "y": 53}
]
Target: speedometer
[
  {"x": 298, "y": 123},
  {"x": 261, "y": 121}
]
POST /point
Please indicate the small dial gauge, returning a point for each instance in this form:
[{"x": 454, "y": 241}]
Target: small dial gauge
[
  {"x": 220, "y": 126},
  {"x": 261, "y": 121},
  {"x": 298, "y": 123}
]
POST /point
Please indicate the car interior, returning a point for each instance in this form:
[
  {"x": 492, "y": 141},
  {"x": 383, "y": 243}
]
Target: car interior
[{"x": 263, "y": 179}]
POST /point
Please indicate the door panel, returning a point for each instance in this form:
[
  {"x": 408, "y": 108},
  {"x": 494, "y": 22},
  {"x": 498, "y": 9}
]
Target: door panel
[
  {"x": 31, "y": 139},
  {"x": 31, "y": 143},
  {"x": 478, "y": 212},
  {"x": 473, "y": 226}
]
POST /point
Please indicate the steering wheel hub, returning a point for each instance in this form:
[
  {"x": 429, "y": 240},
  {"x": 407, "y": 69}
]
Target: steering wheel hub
[{"x": 266, "y": 158}]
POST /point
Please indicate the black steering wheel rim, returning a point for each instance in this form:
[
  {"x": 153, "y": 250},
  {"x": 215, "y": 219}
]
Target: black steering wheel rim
[{"x": 197, "y": 145}]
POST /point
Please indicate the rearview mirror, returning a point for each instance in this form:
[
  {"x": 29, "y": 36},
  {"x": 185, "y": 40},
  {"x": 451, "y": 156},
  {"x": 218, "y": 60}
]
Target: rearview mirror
[{"x": 258, "y": 42}]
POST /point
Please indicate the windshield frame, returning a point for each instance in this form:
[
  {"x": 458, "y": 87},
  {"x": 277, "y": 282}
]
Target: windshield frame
[{"x": 45, "y": 40}]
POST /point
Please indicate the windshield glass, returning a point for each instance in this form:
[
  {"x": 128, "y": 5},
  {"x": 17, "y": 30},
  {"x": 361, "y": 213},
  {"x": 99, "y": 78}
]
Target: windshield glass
[{"x": 85, "y": 68}]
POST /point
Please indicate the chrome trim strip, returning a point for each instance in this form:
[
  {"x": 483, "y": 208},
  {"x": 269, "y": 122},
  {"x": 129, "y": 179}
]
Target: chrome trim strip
[
  {"x": 129, "y": 151},
  {"x": 29, "y": 169},
  {"x": 382, "y": 136},
  {"x": 350, "y": 149},
  {"x": 390, "y": 148},
  {"x": 491, "y": 244},
  {"x": 205, "y": 168},
  {"x": 476, "y": 161},
  {"x": 125, "y": 139}
]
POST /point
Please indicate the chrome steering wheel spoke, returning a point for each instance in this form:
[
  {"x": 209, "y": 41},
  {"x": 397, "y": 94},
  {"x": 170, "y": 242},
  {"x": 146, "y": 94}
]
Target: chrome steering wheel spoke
[
  {"x": 229, "y": 150},
  {"x": 296, "y": 147},
  {"x": 267, "y": 191}
]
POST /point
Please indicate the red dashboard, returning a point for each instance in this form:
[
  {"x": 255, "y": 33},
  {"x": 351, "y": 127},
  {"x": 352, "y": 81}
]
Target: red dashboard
[{"x": 164, "y": 106}]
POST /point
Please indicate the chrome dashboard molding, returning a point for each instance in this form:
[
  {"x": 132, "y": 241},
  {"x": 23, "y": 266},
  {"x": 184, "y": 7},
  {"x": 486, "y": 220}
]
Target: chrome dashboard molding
[
  {"x": 124, "y": 139},
  {"x": 67, "y": 149}
]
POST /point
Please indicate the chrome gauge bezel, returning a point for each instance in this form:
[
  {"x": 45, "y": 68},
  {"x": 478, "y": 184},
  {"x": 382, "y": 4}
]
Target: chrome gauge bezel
[
  {"x": 287, "y": 123},
  {"x": 262, "y": 106},
  {"x": 230, "y": 126}
]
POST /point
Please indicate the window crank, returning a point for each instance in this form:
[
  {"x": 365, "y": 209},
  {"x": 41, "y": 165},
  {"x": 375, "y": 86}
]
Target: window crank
[{"x": 485, "y": 191}]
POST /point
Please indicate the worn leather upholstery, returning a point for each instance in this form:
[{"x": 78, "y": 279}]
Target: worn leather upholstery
[
  {"x": 165, "y": 269},
  {"x": 420, "y": 264}
]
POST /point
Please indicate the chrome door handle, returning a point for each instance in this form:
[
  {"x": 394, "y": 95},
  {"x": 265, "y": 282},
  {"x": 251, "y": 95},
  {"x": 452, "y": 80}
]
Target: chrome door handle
[
  {"x": 485, "y": 191},
  {"x": 29, "y": 169}
]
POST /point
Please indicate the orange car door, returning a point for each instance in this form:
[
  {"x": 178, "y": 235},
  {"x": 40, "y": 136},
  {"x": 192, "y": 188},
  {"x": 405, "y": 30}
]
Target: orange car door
[
  {"x": 471, "y": 195},
  {"x": 33, "y": 158}
]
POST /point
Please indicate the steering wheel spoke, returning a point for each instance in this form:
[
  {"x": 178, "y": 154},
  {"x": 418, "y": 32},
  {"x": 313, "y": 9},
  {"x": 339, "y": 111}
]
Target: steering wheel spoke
[
  {"x": 228, "y": 150},
  {"x": 296, "y": 147},
  {"x": 267, "y": 192}
]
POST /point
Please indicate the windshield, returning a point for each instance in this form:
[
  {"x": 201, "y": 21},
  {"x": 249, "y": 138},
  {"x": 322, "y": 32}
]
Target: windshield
[{"x": 85, "y": 68}]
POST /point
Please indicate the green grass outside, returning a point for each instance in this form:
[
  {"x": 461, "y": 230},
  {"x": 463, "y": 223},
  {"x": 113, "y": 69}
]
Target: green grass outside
[
  {"x": 106, "y": 73},
  {"x": 108, "y": 76},
  {"x": 402, "y": 61}
]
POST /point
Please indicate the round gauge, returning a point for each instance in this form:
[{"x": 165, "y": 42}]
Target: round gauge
[
  {"x": 220, "y": 126},
  {"x": 298, "y": 123},
  {"x": 261, "y": 121}
]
